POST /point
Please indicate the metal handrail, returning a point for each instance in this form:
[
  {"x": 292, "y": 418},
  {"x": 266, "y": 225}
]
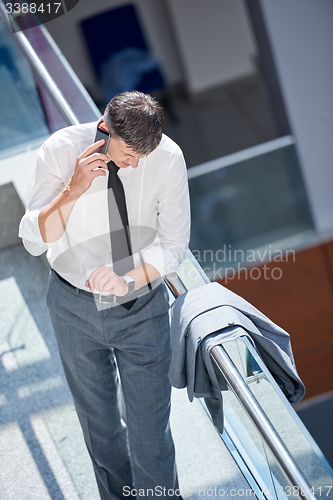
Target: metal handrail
[
  {"x": 39, "y": 68},
  {"x": 239, "y": 387},
  {"x": 239, "y": 156}
]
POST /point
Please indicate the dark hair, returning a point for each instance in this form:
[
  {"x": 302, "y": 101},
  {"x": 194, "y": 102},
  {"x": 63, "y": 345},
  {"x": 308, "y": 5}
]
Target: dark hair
[{"x": 137, "y": 119}]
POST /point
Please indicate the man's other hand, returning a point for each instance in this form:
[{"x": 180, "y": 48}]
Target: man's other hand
[{"x": 103, "y": 279}]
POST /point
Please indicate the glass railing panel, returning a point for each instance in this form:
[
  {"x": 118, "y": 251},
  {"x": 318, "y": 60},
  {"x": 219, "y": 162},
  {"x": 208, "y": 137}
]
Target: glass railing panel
[
  {"x": 248, "y": 204},
  {"x": 286, "y": 422},
  {"x": 246, "y": 436},
  {"x": 65, "y": 78},
  {"x": 191, "y": 274},
  {"x": 254, "y": 451},
  {"x": 22, "y": 119},
  {"x": 28, "y": 113}
]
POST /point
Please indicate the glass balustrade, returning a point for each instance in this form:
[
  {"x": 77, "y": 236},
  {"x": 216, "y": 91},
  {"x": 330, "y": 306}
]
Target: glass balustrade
[
  {"x": 286, "y": 422},
  {"x": 22, "y": 119},
  {"x": 249, "y": 208},
  {"x": 28, "y": 114},
  {"x": 242, "y": 436}
]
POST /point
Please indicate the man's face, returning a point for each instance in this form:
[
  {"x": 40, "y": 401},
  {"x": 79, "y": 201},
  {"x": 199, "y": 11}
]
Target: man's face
[{"x": 122, "y": 155}]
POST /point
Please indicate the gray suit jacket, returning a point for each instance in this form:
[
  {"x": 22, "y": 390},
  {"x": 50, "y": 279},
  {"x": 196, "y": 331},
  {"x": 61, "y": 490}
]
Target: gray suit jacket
[{"x": 213, "y": 308}]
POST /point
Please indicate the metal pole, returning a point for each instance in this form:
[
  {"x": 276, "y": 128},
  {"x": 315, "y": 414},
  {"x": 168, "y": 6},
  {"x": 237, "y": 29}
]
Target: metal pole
[
  {"x": 258, "y": 416},
  {"x": 41, "y": 71},
  {"x": 175, "y": 284}
]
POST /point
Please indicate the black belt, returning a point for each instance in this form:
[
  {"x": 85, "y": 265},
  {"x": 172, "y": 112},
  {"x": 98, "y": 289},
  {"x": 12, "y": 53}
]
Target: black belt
[{"x": 90, "y": 294}]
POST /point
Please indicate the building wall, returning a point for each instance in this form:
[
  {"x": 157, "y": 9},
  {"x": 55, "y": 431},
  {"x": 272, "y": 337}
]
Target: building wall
[
  {"x": 301, "y": 36},
  {"x": 215, "y": 41}
]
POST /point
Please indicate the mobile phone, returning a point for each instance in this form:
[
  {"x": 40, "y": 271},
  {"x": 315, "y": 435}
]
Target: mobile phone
[{"x": 102, "y": 134}]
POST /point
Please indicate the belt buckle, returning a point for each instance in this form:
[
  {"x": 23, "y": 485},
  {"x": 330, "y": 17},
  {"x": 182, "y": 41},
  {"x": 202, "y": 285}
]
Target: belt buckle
[{"x": 111, "y": 296}]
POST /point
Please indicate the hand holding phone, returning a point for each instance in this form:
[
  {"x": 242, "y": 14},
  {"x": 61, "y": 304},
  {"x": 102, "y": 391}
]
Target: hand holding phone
[{"x": 89, "y": 165}]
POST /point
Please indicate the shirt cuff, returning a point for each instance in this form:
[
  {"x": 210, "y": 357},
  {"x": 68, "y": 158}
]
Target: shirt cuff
[{"x": 30, "y": 233}]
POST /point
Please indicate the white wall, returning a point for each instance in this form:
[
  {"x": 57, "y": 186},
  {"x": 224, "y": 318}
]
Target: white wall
[
  {"x": 301, "y": 34},
  {"x": 214, "y": 40},
  {"x": 67, "y": 34}
]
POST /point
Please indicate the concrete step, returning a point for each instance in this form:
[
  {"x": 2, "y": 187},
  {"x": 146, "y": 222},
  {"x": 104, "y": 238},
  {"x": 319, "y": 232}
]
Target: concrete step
[{"x": 16, "y": 177}]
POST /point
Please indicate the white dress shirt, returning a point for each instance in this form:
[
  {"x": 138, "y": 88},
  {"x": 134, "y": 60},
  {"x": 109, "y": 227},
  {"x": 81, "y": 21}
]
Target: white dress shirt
[{"x": 157, "y": 204}]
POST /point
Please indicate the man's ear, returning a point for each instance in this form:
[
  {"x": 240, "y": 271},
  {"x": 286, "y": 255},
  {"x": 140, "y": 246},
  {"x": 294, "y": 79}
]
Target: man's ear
[{"x": 103, "y": 125}]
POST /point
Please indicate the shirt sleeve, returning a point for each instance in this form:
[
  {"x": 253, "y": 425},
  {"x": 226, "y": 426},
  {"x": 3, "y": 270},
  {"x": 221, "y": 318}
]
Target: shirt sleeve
[
  {"x": 173, "y": 221},
  {"x": 47, "y": 185}
]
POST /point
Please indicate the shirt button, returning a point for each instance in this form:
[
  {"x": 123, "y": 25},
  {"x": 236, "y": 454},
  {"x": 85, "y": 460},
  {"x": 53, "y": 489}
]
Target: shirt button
[{"x": 230, "y": 323}]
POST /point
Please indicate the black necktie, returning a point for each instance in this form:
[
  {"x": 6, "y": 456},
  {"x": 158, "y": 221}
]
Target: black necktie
[{"x": 122, "y": 257}]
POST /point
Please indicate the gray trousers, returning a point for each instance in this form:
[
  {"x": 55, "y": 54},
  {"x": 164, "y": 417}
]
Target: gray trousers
[{"x": 92, "y": 345}]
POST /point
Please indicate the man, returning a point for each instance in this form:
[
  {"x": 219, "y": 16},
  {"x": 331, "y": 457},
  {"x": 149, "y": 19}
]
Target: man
[{"x": 98, "y": 326}]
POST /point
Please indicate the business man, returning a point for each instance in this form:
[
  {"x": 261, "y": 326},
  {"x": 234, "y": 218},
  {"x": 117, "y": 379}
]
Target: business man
[{"x": 106, "y": 319}]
